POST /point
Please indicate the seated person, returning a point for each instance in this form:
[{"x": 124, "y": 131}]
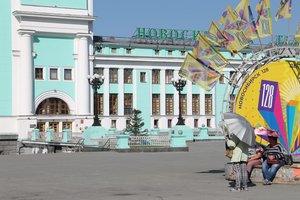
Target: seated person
[
  {"x": 254, "y": 160},
  {"x": 273, "y": 160}
]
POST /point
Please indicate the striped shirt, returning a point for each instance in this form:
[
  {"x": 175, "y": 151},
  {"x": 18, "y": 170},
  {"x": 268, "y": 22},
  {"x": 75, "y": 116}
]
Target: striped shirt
[{"x": 277, "y": 151}]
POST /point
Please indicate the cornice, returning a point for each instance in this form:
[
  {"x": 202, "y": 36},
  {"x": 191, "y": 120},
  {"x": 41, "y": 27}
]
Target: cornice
[{"x": 53, "y": 15}]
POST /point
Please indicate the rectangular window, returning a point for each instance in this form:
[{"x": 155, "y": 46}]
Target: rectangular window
[
  {"x": 128, "y": 76},
  {"x": 155, "y": 76},
  {"x": 127, "y": 104},
  {"x": 196, "y": 104},
  {"x": 155, "y": 104},
  {"x": 196, "y": 123},
  {"x": 127, "y": 123},
  {"x": 113, "y": 123},
  {"x": 98, "y": 71},
  {"x": 143, "y": 77},
  {"x": 169, "y": 104},
  {"x": 67, "y": 125},
  {"x": 169, "y": 76},
  {"x": 170, "y": 52},
  {"x": 208, "y": 122},
  {"x": 208, "y": 104},
  {"x": 128, "y": 51},
  {"x": 169, "y": 123},
  {"x": 113, "y": 104},
  {"x": 99, "y": 102},
  {"x": 221, "y": 79},
  {"x": 41, "y": 126},
  {"x": 113, "y": 50},
  {"x": 113, "y": 75},
  {"x": 156, "y": 123},
  {"x": 183, "y": 104},
  {"x": 156, "y": 52},
  {"x": 182, "y": 53},
  {"x": 68, "y": 74},
  {"x": 39, "y": 74},
  {"x": 53, "y": 74},
  {"x": 54, "y": 126}
]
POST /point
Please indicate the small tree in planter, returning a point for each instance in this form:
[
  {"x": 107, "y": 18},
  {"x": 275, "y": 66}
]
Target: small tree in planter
[{"x": 135, "y": 123}]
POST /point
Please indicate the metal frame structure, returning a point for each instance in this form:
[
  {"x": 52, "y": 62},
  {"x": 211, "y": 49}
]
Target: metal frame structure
[{"x": 257, "y": 60}]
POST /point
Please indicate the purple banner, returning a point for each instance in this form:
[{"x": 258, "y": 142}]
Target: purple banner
[{"x": 267, "y": 95}]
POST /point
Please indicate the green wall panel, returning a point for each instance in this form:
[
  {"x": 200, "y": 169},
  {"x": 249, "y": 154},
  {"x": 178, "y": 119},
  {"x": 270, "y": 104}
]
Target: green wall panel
[
  {"x": 54, "y": 52},
  {"x": 77, "y": 4},
  {"x": 143, "y": 97},
  {"x": 5, "y": 58}
]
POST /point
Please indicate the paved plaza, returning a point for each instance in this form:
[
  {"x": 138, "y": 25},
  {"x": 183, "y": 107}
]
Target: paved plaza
[{"x": 197, "y": 174}]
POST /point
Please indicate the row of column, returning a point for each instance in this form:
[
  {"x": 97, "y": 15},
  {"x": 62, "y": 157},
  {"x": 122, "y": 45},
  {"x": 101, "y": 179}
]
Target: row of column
[{"x": 106, "y": 92}]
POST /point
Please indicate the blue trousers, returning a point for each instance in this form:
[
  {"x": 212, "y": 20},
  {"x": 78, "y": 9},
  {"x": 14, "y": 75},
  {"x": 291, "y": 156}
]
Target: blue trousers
[{"x": 269, "y": 170}]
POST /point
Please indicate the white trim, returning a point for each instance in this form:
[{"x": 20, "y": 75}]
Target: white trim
[
  {"x": 72, "y": 74},
  {"x": 44, "y": 72},
  {"x": 58, "y": 73},
  {"x": 56, "y": 94}
]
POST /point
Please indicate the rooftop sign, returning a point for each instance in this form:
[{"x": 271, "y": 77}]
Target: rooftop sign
[{"x": 166, "y": 34}]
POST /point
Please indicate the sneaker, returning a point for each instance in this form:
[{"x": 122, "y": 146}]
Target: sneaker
[
  {"x": 267, "y": 182},
  {"x": 235, "y": 190},
  {"x": 245, "y": 188}
]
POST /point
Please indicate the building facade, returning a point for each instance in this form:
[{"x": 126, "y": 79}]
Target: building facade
[{"x": 48, "y": 50}]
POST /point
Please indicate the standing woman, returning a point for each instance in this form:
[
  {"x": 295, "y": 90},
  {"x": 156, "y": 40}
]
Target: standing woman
[
  {"x": 273, "y": 158},
  {"x": 239, "y": 161}
]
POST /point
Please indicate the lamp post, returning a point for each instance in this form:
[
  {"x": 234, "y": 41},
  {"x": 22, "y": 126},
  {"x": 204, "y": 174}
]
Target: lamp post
[
  {"x": 96, "y": 81},
  {"x": 179, "y": 85}
]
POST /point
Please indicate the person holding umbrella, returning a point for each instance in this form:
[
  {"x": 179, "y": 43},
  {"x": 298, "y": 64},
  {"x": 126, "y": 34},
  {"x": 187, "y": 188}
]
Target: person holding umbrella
[
  {"x": 273, "y": 158},
  {"x": 239, "y": 160},
  {"x": 242, "y": 137}
]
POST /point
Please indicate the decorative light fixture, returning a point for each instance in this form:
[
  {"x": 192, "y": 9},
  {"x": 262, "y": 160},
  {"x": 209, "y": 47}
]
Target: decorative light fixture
[
  {"x": 179, "y": 85},
  {"x": 96, "y": 81}
]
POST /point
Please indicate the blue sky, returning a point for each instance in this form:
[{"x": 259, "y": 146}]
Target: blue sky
[{"x": 122, "y": 17}]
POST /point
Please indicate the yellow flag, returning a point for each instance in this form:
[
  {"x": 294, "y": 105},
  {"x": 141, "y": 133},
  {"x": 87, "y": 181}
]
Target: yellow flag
[
  {"x": 216, "y": 36},
  {"x": 235, "y": 36},
  {"x": 264, "y": 20},
  {"x": 208, "y": 54},
  {"x": 284, "y": 10},
  {"x": 246, "y": 20},
  {"x": 193, "y": 70}
]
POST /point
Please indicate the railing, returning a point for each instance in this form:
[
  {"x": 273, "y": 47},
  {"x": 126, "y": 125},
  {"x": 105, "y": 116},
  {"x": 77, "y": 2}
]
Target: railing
[
  {"x": 149, "y": 141},
  {"x": 215, "y": 132},
  {"x": 57, "y": 136},
  {"x": 109, "y": 143}
]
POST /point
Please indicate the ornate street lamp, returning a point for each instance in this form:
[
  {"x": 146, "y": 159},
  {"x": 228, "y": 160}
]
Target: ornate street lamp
[
  {"x": 179, "y": 85},
  {"x": 96, "y": 81}
]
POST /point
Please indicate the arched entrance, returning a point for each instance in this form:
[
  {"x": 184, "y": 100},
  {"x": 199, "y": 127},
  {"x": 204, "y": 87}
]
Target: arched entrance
[{"x": 53, "y": 112}]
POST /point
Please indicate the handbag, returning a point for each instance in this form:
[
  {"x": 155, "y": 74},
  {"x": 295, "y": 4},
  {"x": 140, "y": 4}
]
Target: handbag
[
  {"x": 288, "y": 159},
  {"x": 273, "y": 161},
  {"x": 228, "y": 153}
]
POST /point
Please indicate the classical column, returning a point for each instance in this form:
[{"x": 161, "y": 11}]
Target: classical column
[
  {"x": 106, "y": 92},
  {"x": 121, "y": 92},
  {"x": 189, "y": 98},
  {"x": 25, "y": 74},
  {"x": 162, "y": 92},
  {"x": 82, "y": 72}
]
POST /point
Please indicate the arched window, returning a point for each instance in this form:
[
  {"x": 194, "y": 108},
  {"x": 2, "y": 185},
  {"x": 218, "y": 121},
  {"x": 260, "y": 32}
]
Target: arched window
[{"x": 52, "y": 106}]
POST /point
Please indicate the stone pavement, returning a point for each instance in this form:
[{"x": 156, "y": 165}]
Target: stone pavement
[{"x": 194, "y": 175}]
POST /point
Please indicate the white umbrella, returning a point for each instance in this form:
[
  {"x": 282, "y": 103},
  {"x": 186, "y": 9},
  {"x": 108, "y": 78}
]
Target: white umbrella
[{"x": 240, "y": 127}]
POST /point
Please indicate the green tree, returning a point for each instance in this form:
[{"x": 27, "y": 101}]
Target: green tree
[{"x": 135, "y": 123}]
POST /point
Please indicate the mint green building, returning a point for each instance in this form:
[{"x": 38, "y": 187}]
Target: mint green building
[{"x": 48, "y": 49}]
